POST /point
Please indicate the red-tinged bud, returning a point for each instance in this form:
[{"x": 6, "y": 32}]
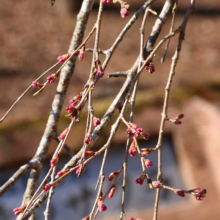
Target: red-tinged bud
[
  {"x": 198, "y": 193},
  {"x": 112, "y": 175},
  {"x": 148, "y": 163},
  {"x": 63, "y": 58},
  {"x": 37, "y": 84},
  {"x": 150, "y": 68},
  {"x": 46, "y": 187},
  {"x": 143, "y": 154},
  {"x": 96, "y": 121},
  {"x": 179, "y": 192},
  {"x": 70, "y": 109},
  {"x": 81, "y": 54},
  {"x": 99, "y": 70},
  {"x": 146, "y": 151},
  {"x": 54, "y": 160},
  {"x": 106, "y": 1},
  {"x": 83, "y": 168},
  {"x": 60, "y": 173},
  {"x": 140, "y": 180},
  {"x": 89, "y": 153},
  {"x": 111, "y": 193},
  {"x": 144, "y": 135},
  {"x": 88, "y": 140},
  {"x": 177, "y": 122},
  {"x": 132, "y": 150},
  {"x": 86, "y": 218},
  {"x": 156, "y": 184},
  {"x": 124, "y": 12},
  {"x": 52, "y": 78},
  {"x": 130, "y": 218},
  {"x": 129, "y": 132},
  {"x": 180, "y": 116},
  {"x": 63, "y": 134},
  {"x": 19, "y": 210},
  {"x": 101, "y": 205},
  {"x": 152, "y": 11}
]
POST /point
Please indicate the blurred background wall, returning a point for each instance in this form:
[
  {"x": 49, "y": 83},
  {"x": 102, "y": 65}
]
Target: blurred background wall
[{"x": 33, "y": 34}]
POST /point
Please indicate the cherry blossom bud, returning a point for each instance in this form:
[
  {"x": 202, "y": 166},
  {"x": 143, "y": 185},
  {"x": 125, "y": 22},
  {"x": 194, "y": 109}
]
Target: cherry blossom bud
[
  {"x": 100, "y": 70},
  {"x": 81, "y": 54},
  {"x": 111, "y": 193},
  {"x": 89, "y": 153},
  {"x": 177, "y": 122},
  {"x": 82, "y": 168},
  {"x": 88, "y": 140},
  {"x": 63, "y": 58},
  {"x": 180, "y": 116},
  {"x": 146, "y": 151},
  {"x": 54, "y": 160},
  {"x": 101, "y": 205},
  {"x": 150, "y": 68},
  {"x": 96, "y": 121},
  {"x": 156, "y": 184},
  {"x": 144, "y": 135},
  {"x": 60, "y": 173},
  {"x": 74, "y": 101},
  {"x": 46, "y": 187},
  {"x": 179, "y": 192},
  {"x": 124, "y": 12},
  {"x": 112, "y": 175},
  {"x": 63, "y": 134},
  {"x": 52, "y": 78},
  {"x": 198, "y": 193},
  {"x": 37, "y": 84},
  {"x": 140, "y": 180},
  {"x": 132, "y": 150},
  {"x": 19, "y": 210},
  {"x": 130, "y": 218},
  {"x": 86, "y": 218},
  {"x": 148, "y": 163}
]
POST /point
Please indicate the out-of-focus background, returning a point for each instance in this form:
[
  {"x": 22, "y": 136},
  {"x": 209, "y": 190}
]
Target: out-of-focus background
[{"x": 33, "y": 34}]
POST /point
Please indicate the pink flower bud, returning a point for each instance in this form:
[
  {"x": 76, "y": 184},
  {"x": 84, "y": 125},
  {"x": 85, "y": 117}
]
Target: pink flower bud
[
  {"x": 96, "y": 121},
  {"x": 180, "y": 116},
  {"x": 148, "y": 163},
  {"x": 140, "y": 180},
  {"x": 37, "y": 84},
  {"x": 46, "y": 187},
  {"x": 111, "y": 193},
  {"x": 83, "y": 168},
  {"x": 132, "y": 150},
  {"x": 198, "y": 193},
  {"x": 179, "y": 192},
  {"x": 88, "y": 140},
  {"x": 63, "y": 134},
  {"x": 60, "y": 173},
  {"x": 63, "y": 58},
  {"x": 156, "y": 184},
  {"x": 177, "y": 122},
  {"x": 150, "y": 68},
  {"x": 100, "y": 70},
  {"x": 146, "y": 151},
  {"x": 54, "y": 160},
  {"x": 124, "y": 12},
  {"x": 52, "y": 78},
  {"x": 19, "y": 210},
  {"x": 112, "y": 175},
  {"x": 89, "y": 153},
  {"x": 69, "y": 109},
  {"x": 81, "y": 54},
  {"x": 101, "y": 205},
  {"x": 130, "y": 218},
  {"x": 145, "y": 135}
]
